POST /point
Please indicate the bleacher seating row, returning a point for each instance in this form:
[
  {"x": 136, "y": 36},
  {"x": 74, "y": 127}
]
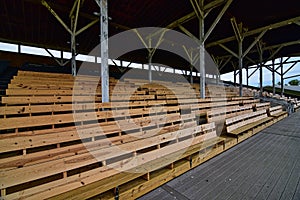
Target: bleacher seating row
[{"x": 58, "y": 140}]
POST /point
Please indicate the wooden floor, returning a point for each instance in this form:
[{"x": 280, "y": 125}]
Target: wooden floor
[{"x": 266, "y": 166}]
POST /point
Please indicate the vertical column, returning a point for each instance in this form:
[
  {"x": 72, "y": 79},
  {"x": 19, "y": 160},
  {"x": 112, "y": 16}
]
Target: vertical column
[
  {"x": 61, "y": 57},
  {"x": 260, "y": 72},
  {"x": 150, "y": 67},
  {"x": 191, "y": 75},
  {"x": 104, "y": 51},
  {"x": 260, "y": 79},
  {"x": 217, "y": 79},
  {"x": 273, "y": 76},
  {"x": 234, "y": 77},
  {"x": 281, "y": 77},
  {"x": 240, "y": 67},
  {"x": 247, "y": 76},
  {"x": 260, "y": 52},
  {"x": 73, "y": 48},
  {"x": 202, "y": 55}
]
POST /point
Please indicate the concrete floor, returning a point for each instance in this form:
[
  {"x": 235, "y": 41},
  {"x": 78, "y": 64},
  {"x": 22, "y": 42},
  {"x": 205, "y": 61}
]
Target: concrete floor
[{"x": 266, "y": 166}]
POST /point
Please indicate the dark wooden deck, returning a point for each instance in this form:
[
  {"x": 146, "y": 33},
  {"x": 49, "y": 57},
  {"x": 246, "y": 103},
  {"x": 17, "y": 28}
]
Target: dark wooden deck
[{"x": 266, "y": 166}]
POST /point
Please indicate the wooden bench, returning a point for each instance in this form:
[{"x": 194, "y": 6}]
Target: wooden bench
[
  {"x": 47, "y": 156},
  {"x": 296, "y": 105},
  {"x": 277, "y": 112},
  {"x": 261, "y": 106},
  {"x": 243, "y": 126},
  {"x": 66, "y": 164},
  {"x": 218, "y": 115},
  {"x": 202, "y": 107},
  {"x": 46, "y": 149}
]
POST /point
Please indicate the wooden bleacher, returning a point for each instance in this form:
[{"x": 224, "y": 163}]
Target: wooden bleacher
[
  {"x": 59, "y": 141},
  {"x": 277, "y": 112},
  {"x": 44, "y": 155},
  {"x": 245, "y": 125}
]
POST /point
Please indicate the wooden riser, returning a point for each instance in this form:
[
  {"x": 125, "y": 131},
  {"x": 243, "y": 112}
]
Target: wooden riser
[
  {"x": 140, "y": 186},
  {"x": 44, "y": 157},
  {"x": 230, "y": 142}
]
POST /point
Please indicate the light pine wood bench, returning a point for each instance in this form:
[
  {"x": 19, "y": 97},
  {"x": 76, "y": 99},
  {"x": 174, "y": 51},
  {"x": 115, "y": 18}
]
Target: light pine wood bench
[
  {"x": 243, "y": 126},
  {"x": 262, "y": 106},
  {"x": 218, "y": 115},
  {"x": 66, "y": 164},
  {"x": 47, "y": 156},
  {"x": 277, "y": 112}
]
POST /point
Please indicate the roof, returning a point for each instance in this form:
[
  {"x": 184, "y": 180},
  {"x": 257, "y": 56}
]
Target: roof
[{"x": 29, "y": 22}]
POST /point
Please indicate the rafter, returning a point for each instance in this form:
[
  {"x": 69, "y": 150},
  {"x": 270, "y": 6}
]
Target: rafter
[
  {"x": 228, "y": 50},
  {"x": 254, "y": 42},
  {"x": 212, "y": 27},
  {"x": 44, "y": 3},
  {"x": 255, "y": 31}
]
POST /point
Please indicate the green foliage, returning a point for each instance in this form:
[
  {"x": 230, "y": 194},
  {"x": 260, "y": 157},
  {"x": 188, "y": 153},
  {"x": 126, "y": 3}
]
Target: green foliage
[{"x": 294, "y": 82}]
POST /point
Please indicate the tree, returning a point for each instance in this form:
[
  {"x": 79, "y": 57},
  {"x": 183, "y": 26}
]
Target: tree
[{"x": 294, "y": 82}]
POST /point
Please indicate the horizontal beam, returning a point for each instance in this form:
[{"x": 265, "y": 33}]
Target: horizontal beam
[
  {"x": 44, "y": 3},
  {"x": 213, "y": 4},
  {"x": 212, "y": 27},
  {"x": 86, "y": 27},
  {"x": 175, "y": 24},
  {"x": 255, "y": 31},
  {"x": 229, "y": 51},
  {"x": 291, "y": 67},
  {"x": 189, "y": 34},
  {"x": 292, "y": 76},
  {"x": 277, "y": 47},
  {"x": 254, "y": 42}
]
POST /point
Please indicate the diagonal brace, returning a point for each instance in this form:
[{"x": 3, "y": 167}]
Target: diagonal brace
[{"x": 44, "y": 3}]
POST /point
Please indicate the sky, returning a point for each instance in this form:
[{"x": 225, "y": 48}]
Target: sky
[
  {"x": 267, "y": 75},
  {"x": 253, "y": 80}
]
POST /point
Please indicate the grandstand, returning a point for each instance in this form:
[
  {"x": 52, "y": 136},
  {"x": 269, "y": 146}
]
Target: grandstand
[{"x": 127, "y": 127}]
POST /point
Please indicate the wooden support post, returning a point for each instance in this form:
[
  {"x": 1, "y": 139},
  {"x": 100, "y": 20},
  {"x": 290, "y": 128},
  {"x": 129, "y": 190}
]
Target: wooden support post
[
  {"x": 146, "y": 176},
  {"x": 116, "y": 192},
  {"x": 273, "y": 76},
  {"x": 171, "y": 166},
  {"x": 3, "y": 193},
  {"x": 65, "y": 174},
  {"x": 240, "y": 43},
  {"x": 104, "y": 51},
  {"x": 281, "y": 78}
]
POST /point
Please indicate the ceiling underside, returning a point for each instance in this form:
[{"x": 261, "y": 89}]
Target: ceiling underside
[{"x": 29, "y": 22}]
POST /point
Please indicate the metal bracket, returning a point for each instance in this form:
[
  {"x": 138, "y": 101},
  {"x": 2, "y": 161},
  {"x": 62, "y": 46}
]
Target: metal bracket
[{"x": 117, "y": 195}]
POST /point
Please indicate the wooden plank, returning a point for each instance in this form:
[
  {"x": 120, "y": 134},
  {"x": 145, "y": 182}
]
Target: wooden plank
[
  {"x": 88, "y": 115},
  {"x": 48, "y": 92},
  {"x": 29, "y": 173},
  {"x": 89, "y": 190},
  {"x": 52, "y": 154},
  {"x": 27, "y": 109},
  {"x": 220, "y": 114},
  {"x": 138, "y": 188},
  {"x": 24, "y": 141},
  {"x": 13, "y": 100},
  {"x": 44, "y": 74}
]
